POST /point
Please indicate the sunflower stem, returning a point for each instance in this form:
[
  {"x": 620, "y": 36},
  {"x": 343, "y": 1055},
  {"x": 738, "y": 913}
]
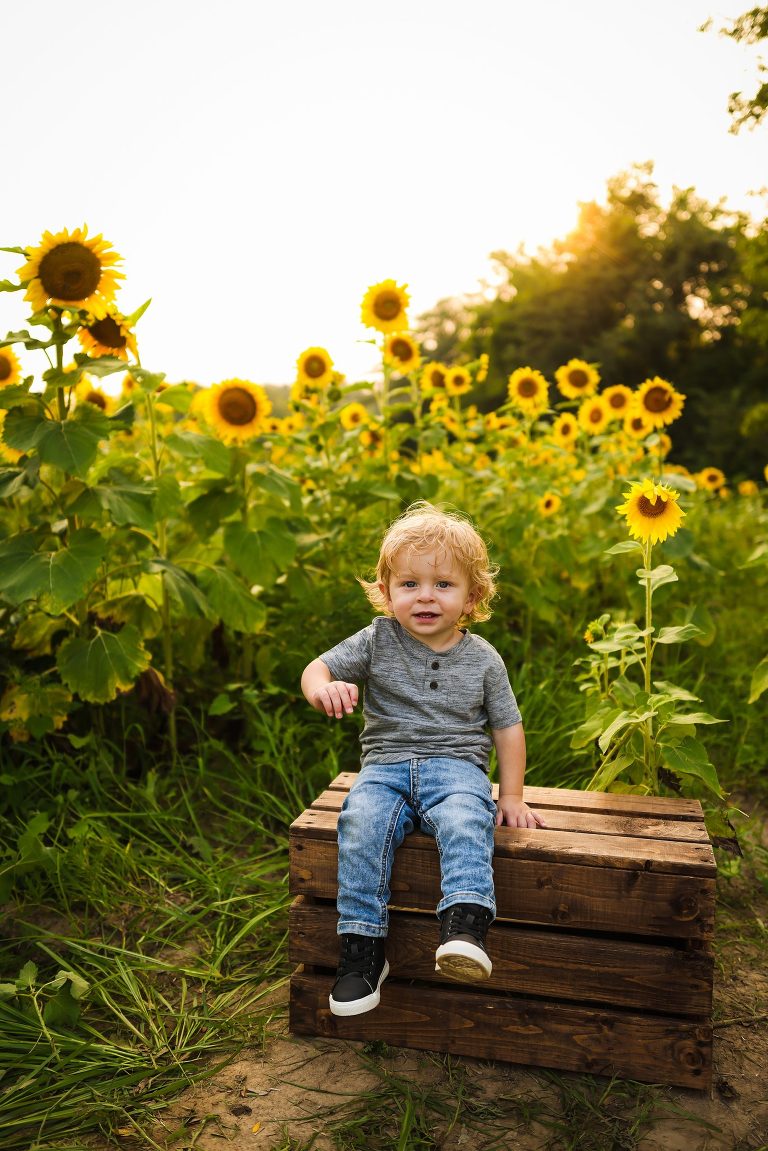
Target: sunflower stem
[
  {"x": 165, "y": 605},
  {"x": 651, "y": 777},
  {"x": 246, "y": 660}
]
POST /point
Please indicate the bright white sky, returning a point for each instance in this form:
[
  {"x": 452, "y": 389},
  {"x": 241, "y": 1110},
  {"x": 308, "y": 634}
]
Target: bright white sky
[{"x": 259, "y": 163}]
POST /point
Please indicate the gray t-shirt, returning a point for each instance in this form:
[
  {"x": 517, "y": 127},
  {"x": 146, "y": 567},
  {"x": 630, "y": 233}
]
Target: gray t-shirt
[{"x": 422, "y": 703}]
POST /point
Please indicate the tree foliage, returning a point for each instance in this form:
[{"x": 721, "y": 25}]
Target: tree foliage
[
  {"x": 640, "y": 290},
  {"x": 749, "y": 28}
]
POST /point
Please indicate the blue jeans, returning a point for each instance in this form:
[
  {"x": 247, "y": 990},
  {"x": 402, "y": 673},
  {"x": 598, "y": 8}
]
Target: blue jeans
[{"x": 447, "y": 798}]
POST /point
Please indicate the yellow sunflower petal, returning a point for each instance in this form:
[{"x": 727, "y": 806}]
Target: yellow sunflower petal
[
  {"x": 651, "y": 511},
  {"x": 71, "y": 270},
  {"x": 384, "y": 307},
  {"x": 577, "y": 379},
  {"x": 314, "y": 369},
  {"x": 236, "y": 409},
  {"x": 10, "y": 368},
  {"x": 402, "y": 352},
  {"x": 528, "y": 390},
  {"x": 658, "y": 402}
]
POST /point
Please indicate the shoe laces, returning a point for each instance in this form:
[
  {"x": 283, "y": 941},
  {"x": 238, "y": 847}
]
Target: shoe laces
[
  {"x": 358, "y": 955},
  {"x": 463, "y": 919}
]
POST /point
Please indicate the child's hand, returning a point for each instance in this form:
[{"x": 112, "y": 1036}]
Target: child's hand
[
  {"x": 513, "y": 811},
  {"x": 336, "y": 698}
]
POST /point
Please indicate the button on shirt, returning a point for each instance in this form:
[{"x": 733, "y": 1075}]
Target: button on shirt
[{"x": 418, "y": 702}]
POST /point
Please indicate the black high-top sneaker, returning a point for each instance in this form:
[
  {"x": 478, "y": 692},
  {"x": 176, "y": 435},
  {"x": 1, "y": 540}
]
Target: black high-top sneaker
[
  {"x": 362, "y": 970},
  {"x": 462, "y": 954}
]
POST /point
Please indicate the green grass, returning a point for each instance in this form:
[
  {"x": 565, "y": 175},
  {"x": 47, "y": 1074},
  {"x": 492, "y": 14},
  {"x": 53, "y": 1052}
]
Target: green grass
[{"x": 145, "y": 934}]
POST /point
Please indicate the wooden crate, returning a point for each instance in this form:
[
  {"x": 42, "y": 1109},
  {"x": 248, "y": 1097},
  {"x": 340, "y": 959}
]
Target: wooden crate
[{"x": 602, "y": 946}]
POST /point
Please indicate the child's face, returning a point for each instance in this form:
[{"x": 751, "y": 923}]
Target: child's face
[{"x": 428, "y": 593}]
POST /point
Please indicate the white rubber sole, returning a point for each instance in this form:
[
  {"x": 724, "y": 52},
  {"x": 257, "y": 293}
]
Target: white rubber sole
[
  {"x": 462, "y": 961},
  {"x": 360, "y": 1006}
]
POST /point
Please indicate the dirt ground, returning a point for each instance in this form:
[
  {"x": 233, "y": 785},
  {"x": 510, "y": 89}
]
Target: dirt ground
[{"x": 279, "y": 1098}]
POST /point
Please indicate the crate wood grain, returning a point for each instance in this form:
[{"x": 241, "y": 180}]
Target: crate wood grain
[
  {"x": 601, "y": 1041},
  {"x": 604, "y": 922},
  {"x": 622, "y": 972}
]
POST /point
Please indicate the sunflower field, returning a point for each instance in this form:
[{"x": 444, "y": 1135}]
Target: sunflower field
[{"x": 171, "y": 556}]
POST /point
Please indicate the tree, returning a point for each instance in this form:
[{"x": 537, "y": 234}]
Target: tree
[
  {"x": 749, "y": 28},
  {"x": 641, "y": 290}
]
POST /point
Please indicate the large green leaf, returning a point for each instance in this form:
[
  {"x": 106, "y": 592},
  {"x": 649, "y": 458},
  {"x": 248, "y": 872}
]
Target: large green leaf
[
  {"x": 677, "y": 634},
  {"x": 260, "y": 556},
  {"x": 13, "y": 395},
  {"x": 690, "y": 758},
  {"x": 99, "y": 667},
  {"x": 59, "y": 576},
  {"x": 759, "y": 682},
  {"x": 182, "y": 587},
  {"x": 129, "y": 504},
  {"x": 69, "y": 444},
  {"x": 657, "y": 576},
  {"x": 232, "y": 601},
  {"x": 212, "y": 453}
]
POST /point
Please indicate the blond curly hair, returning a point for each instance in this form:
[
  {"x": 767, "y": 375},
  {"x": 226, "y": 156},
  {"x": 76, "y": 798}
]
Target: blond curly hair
[{"x": 424, "y": 528}]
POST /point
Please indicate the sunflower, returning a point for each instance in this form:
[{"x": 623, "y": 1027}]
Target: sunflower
[
  {"x": 577, "y": 379},
  {"x": 711, "y": 479},
  {"x": 651, "y": 511},
  {"x": 372, "y": 439},
  {"x": 10, "y": 368},
  {"x": 402, "y": 352},
  {"x": 109, "y": 336},
  {"x": 384, "y": 306},
  {"x": 353, "y": 416},
  {"x": 433, "y": 377},
  {"x": 565, "y": 429},
  {"x": 593, "y": 415},
  {"x": 549, "y": 504},
  {"x": 87, "y": 392},
  {"x": 658, "y": 402},
  {"x": 314, "y": 369},
  {"x": 637, "y": 426},
  {"x": 71, "y": 271},
  {"x": 457, "y": 381},
  {"x": 528, "y": 390},
  {"x": 237, "y": 409},
  {"x": 748, "y": 488},
  {"x": 618, "y": 399}
]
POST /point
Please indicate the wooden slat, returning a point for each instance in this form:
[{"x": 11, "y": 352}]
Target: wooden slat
[
  {"x": 572, "y": 799},
  {"x": 515, "y": 1029},
  {"x": 546, "y": 846},
  {"x": 529, "y": 887},
  {"x": 579, "y": 968},
  {"x": 592, "y": 822}
]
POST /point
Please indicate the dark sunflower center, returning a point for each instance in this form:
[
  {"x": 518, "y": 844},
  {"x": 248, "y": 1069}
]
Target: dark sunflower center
[
  {"x": 437, "y": 379},
  {"x": 70, "y": 271},
  {"x": 315, "y": 367},
  {"x": 527, "y": 387},
  {"x": 237, "y": 406},
  {"x": 402, "y": 350},
  {"x": 386, "y": 306},
  {"x": 657, "y": 399},
  {"x": 595, "y": 416},
  {"x": 637, "y": 423},
  {"x": 578, "y": 378},
  {"x": 355, "y": 417},
  {"x": 649, "y": 510},
  {"x": 567, "y": 429},
  {"x": 618, "y": 400},
  {"x": 97, "y": 399},
  {"x": 5, "y": 367},
  {"x": 108, "y": 333}
]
